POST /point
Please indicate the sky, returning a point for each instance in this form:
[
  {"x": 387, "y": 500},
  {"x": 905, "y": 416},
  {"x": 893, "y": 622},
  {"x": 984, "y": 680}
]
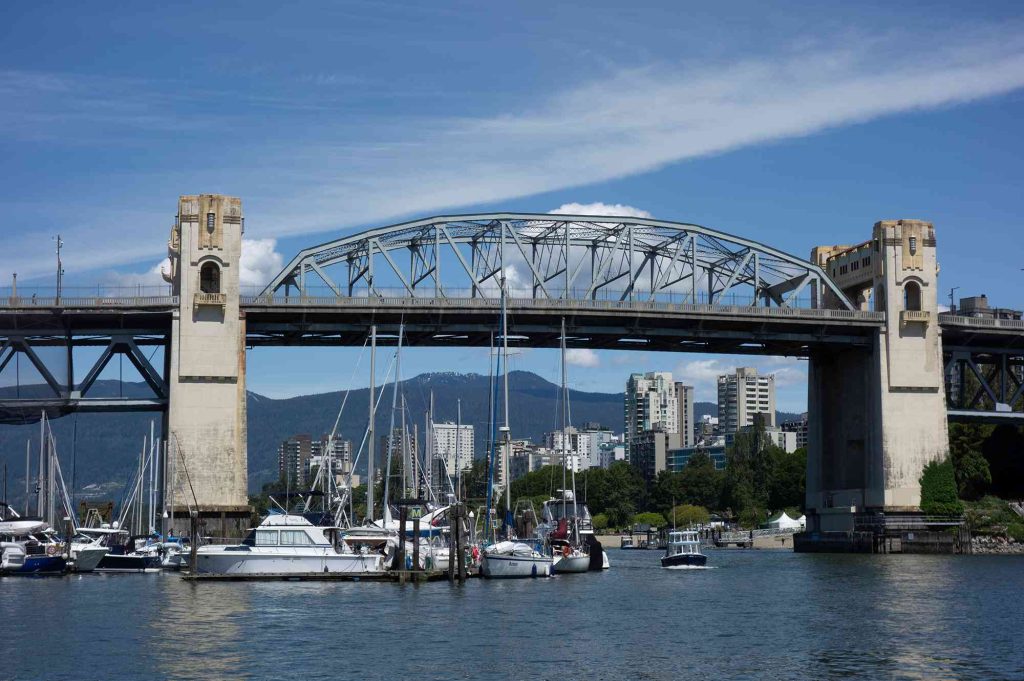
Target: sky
[{"x": 794, "y": 124}]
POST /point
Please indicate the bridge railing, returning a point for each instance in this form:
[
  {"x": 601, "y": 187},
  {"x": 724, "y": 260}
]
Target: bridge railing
[
  {"x": 947, "y": 319},
  {"x": 33, "y": 302},
  {"x": 562, "y": 304}
]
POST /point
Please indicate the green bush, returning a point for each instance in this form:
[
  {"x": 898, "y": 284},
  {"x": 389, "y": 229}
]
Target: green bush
[
  {"x": 1015, "y": 531},
  {"x": 686, "y": 515},
  {"x": 938, "y": 490},
  {"x": 649, "y": 518},
  {"x": 600, "y": 521}
]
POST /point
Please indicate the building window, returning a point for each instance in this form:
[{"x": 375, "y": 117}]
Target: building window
[
  {"x": 209, "y": 278},
  {"x": 866, "y": 261},
  {"x": 911, "y": 296},
  {"x": 855, "y": 265},
  {"x": 211, "y": 220},
  {"x": 913, "y": 245}
]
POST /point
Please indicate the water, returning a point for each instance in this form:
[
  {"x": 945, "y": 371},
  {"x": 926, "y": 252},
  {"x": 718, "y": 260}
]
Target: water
[{"x": 756, "y": 614}]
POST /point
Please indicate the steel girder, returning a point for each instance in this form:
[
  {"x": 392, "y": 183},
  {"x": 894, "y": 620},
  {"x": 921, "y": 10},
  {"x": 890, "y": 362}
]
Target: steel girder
[
  {"x": 557, "y": 256},
  {"x": 984, "y": 383},
  {"x": 56, "y": 391}
]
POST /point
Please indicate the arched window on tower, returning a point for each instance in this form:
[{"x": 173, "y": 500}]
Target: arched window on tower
[
  {"x": 912, "y": 296},
  {"x": 209, "y": 278}
]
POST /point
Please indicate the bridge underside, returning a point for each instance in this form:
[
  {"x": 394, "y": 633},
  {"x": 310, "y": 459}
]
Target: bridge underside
[{"x": 656, "y": 328}]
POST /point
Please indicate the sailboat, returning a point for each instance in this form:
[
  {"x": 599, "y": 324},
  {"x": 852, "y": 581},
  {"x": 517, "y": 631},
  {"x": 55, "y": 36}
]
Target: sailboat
[
  {"x": 509, "y": 558},
  {"x": 569, "y": 554}
]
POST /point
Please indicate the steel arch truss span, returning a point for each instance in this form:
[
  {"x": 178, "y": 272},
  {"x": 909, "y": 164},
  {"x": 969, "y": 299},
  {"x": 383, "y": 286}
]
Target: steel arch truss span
[{"x": 557, "y": 257}]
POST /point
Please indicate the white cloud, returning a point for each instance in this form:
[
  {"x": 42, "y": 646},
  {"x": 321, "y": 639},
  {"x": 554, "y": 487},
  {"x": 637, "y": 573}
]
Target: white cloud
[
  {"x": 582, "y": 357},
  {"x": 260, "y": 261},
  {"x": 608, "y": 209},
  {"x": 632, "y": 121},
  {"x": 703, "y": 373}
]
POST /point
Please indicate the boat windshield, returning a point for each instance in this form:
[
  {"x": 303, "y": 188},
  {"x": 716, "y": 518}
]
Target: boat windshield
[{"x": 556, "y": 510}]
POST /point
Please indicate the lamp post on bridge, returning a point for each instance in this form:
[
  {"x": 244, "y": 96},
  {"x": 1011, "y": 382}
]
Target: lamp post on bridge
[
  {"x": 952, "y": 307},
  {"x": 60, "y": 269}
]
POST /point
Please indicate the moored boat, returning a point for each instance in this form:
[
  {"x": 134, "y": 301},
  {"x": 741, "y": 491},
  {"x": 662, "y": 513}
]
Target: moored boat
[
  {"x": 286, "y": 544},
  {"x": 511, "y": 559}
]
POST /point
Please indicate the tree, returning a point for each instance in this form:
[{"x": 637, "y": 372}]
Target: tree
[
  {"x": 649, "y": 518},
  {"x": 619, "y": 515},
  {"x": 600, "y": 522},
  {"x": 687, "y": 515},
  {"x": 938, "y": 490},
  {"x": 788, "y": 481},
  {"x": 970, "y": 467},
  {"x": 702, "y": 482}
]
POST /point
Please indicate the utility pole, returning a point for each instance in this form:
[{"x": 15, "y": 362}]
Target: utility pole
[{"x": 952, "y": 306}]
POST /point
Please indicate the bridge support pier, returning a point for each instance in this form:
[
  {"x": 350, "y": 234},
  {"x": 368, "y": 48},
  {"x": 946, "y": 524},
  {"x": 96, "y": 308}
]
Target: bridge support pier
[
  {"x": 877, "y": 418},
  {"x": 206, "y": 423}
]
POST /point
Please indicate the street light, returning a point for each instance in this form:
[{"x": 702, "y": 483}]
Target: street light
[
  {"x": 952, "y": 307},
  {"x": 60, "y": 268}
]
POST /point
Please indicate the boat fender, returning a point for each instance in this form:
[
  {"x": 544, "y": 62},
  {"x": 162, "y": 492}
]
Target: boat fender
[
  {"x": 476, "y": 554},
  {"x": 51, "y": 550},
  {"x": 566, "y": 551}
]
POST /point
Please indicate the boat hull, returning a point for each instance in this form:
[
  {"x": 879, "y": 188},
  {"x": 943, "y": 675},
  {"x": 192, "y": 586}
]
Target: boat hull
[
  {"x": 230, "y": 562},
  {"x": 128, "y": 563},
  {"x": 684, "y": 560},
  {"x": 514, "y": 567},
  {"x": 571, "y": 564},
  {"x": 87, "y": 559},
  {"x": 39, "y": 565}
]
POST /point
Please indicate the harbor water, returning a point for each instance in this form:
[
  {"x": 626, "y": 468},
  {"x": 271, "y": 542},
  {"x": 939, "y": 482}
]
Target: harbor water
[{"x": 750, "y": 614}]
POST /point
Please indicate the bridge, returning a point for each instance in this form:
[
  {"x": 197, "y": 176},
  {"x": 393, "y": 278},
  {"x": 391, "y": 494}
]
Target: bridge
[{"x": 886, "y": 369}]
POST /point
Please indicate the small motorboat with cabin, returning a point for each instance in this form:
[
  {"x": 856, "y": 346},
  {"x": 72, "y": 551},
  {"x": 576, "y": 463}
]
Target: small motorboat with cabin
[
  {"x": 122, "y": 554},
  {"x": 683, "y": 550},
  {"x": 512, "y": 559},
  {"x": 30, "y": 547},
  {"x": 286, "y": 544}
]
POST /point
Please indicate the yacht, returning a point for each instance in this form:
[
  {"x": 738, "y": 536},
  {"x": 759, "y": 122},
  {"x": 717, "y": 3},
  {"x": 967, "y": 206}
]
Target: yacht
[
  {"x": 286, "y": 544},
  {"x": 30, "y": 547},
  {"x": 683, "y": 550},
  {"x": 121, "y": 555},
  {"x": 508, "y": 559}
]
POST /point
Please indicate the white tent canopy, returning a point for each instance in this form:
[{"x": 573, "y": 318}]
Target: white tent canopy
[{"x": 784, "y": 522}]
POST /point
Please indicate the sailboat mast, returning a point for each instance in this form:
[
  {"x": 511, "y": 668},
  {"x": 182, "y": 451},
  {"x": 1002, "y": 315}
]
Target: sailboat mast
[
  {"x": 373, "y": 414},
  {"x": 508, "y": 431},
  {"x": 458, "y": 440},
  {"x": 565, "y": 417}
]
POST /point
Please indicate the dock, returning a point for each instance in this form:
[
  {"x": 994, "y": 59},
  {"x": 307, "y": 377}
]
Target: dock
[{"x": 397, "y": 576}]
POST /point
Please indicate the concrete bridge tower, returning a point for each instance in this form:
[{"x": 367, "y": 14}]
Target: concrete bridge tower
[
  {"x": 877, "y": 418},
  {"x": 206, "y": 425}
]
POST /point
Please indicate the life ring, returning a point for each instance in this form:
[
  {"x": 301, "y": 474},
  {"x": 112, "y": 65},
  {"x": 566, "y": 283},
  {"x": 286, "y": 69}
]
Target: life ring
[
  {"x": 51, "y": 550},
  {"x": 566, "y": 550}
]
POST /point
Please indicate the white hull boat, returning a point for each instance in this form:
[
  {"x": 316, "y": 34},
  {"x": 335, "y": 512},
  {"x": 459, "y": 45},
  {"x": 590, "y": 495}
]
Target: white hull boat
[
  {"x": 289, "y": 545},
  {"x": 507, "y": 560},
  {"x": 87, "y": 557},
  {"x": 574, "y": 563}
]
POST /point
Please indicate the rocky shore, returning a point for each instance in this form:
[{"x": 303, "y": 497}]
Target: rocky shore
[{"x": 996, "y": 546}]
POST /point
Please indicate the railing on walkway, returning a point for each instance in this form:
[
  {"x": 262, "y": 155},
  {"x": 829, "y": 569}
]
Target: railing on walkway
[
  {"x": 750, "y": 535},
  {"x": 97, "y": 302},
  {"x": 947, "y": 319}
]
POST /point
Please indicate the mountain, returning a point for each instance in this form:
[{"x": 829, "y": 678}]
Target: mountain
[{"x": 103, "y": 448}]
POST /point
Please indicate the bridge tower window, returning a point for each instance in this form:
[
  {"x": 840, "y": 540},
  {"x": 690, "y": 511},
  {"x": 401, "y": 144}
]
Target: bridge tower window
[
  {"x": 211, "y": 222},
  {"x": 912, "y": 296},
  {"x": 913, "y": 245},
  {"x": 209, "y": 278}
]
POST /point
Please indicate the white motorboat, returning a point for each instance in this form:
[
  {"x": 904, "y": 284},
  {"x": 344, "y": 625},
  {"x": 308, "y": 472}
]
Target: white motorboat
[
  {"x": 121, "y": 555},
  {"x": 510, "y": 559},
  {"x": 290, "y": 545},
  {"x": 683, "y": 550},
  {"x": 30, "y": 547},
  {"x": 86, "y": 555}
]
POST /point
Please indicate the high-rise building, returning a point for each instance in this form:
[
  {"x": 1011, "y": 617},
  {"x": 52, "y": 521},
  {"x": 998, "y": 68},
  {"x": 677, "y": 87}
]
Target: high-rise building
[
  {"x": 453, "y": 444},
  {"x": 650, "y": 451},
  {"x": 742, "y": 395},
  {"x": 650, "y": 404},
  {"x": 293, "y": 459},
  {"x": 684, "y": 420}
]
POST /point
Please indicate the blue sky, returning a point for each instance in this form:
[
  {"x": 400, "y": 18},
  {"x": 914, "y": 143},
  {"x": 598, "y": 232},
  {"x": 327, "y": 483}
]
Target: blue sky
[{"x": 792, "y": 124}]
